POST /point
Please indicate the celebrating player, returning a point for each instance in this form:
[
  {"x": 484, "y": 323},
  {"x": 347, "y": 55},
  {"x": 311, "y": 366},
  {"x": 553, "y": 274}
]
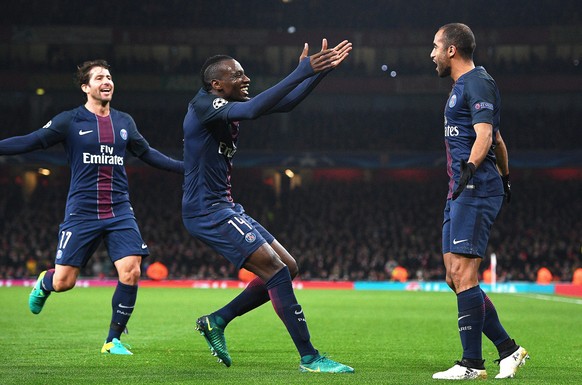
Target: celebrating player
[
  {"x": 476, "y": 155},
  {"x": 211, "y": 130},
  {"x": 95, "y": 137}
]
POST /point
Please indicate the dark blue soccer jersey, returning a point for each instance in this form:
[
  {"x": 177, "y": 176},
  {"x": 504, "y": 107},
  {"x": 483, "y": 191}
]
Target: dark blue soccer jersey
[
  {"x": 95, "y": 148},
  {"x": 474, "y": 99},
  {"x": 211, "y": 128},
  {"x": 209, "y": 144}
]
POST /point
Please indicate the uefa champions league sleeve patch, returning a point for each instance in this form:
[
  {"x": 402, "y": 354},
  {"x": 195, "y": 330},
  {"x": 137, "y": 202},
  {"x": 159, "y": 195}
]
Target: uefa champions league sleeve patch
[
  {"x": 219, "y": 102},
  {"x": 481, "y": 105}
]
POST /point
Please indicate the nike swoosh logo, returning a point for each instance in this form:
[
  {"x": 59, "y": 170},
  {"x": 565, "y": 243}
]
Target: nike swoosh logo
[
  {"x": 81, "y": 132},
  {"x": 125, "y": 307},
  {"x": 465, "y": 316},
  {"x": 455, "y": 242},
  {"x": 144, "y": 246},
  {"x": 297, "y": 312},
  {"x": 208, "y": 324},
  {"x": 312, "y": 370}
]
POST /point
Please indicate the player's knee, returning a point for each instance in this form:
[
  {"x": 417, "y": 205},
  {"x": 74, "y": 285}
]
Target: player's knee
[
  {"x": 130, "y": 276},
  {"x": 454, "y": 277},
  {"x": 293, "y": 269}
]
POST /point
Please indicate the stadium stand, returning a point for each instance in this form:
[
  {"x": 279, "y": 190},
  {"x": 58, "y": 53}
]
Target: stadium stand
[{"x": 338, "y": 229}]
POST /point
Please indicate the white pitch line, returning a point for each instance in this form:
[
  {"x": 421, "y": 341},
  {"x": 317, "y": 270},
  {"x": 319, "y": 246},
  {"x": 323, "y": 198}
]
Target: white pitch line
[{"x": 553, "y": 298}]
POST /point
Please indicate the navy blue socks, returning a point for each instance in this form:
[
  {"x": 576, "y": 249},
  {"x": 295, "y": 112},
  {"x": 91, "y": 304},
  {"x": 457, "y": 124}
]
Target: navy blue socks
[
  {"x": 470, "y": 319},
  {"x": 47, "y": 281},
  {"x": 253, "y": 296},
  {"x": 492, "y": 327},
  {"x": 122, "y": 305},
  {"x": 290, "y": 312}
]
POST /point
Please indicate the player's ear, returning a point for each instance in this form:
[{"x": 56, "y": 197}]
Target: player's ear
[
  {"x": 216, "y": 84},
  {"x": 452, "y": 50}
]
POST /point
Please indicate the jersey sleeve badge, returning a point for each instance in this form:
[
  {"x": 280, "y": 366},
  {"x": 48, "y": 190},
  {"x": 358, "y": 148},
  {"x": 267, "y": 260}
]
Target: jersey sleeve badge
[
  {"x": 219, "y": 102},
  {"x": 486, "y": 105}
]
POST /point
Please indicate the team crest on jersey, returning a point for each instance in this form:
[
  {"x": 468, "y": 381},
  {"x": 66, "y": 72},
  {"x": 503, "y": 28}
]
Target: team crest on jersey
[
  {"x": 48, "y": 124},
  {"x": 219, "y": 102},
  {"x": 452, "y": 101},
  {"x": 250, "y": 237},
  {"x": 59, "y": 254},
  {"x": 123, "y": 134}
]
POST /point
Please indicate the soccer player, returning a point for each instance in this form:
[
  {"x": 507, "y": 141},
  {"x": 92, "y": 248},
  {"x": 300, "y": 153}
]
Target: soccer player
[
  {"x": 95, "y": 138},
  {"x": 211, "y": 131},
  {"x": 477, "y": 165}
]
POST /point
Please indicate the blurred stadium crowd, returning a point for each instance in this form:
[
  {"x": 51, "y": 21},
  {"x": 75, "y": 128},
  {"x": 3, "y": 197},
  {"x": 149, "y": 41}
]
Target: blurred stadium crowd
[
  {"x": 337, "y": 230},
  {"x": 370, "y": 130}
]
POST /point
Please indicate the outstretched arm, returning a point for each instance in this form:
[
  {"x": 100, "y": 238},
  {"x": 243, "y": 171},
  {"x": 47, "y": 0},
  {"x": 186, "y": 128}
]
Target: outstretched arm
[
  {"x": 308, "y": 66},
  {"x": 20, "y": 144},
  {"x": 302, "y": 90},
  {"x": 156, "y": 159}
]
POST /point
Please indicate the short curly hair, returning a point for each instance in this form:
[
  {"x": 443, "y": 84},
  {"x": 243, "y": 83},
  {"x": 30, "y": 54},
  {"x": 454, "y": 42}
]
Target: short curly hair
[{"x": 83, "y": 71}]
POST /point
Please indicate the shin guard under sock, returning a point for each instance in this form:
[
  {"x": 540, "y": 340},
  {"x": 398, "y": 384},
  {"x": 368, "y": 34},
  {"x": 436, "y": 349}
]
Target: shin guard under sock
[
  {"x": 471, "y": 317},
  {"x": 122, "y": 305},
  {"x": 285, "y": 304}
]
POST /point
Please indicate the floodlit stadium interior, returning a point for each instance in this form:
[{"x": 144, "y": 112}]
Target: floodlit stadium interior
[{"x": 353, "y": 181}]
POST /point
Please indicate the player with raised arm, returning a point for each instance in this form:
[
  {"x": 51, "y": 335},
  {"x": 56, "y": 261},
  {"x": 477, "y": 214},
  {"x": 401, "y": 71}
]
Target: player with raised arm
[
  {"x": 96, "y": 138},
  {"x": 476, "y": 155},
  {"x": 211, "y": 131}
]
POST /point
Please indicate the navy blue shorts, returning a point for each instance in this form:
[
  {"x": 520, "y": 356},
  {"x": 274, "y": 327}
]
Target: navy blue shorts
[
  {"x": 467, "y": 224},
  {"x": 78, "y": 240},
  {"x": 230, "y": 232}
]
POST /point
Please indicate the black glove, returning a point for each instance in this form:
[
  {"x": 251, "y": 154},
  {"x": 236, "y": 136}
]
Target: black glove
[
  {"x": 467, "y": 172},
  {"x": 506, "y": 188}
]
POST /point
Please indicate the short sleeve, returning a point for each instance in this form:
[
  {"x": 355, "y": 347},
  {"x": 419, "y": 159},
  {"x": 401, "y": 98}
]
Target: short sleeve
[{"x": 481, "y": 98}]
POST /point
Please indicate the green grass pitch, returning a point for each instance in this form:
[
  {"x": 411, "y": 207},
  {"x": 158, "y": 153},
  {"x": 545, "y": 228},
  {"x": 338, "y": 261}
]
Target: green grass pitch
[{"x": 388, "y": 337}]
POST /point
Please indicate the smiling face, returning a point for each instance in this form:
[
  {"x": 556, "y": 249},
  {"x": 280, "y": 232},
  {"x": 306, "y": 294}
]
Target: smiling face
[
  {"x": 99, "y": 88},
  {"x": 440, "y": 55},
  {"x": 233, "y": 84}
]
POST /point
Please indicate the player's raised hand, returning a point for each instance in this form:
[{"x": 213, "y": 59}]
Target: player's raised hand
[
  {"x": 343, "y": 50},
  {"x": 306, "y": 49},
  {"x": 322, "y": 60}
]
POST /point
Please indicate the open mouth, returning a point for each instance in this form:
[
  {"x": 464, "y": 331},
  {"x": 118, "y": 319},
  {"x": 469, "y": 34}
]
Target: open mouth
[{"x": 245, "y": 90}]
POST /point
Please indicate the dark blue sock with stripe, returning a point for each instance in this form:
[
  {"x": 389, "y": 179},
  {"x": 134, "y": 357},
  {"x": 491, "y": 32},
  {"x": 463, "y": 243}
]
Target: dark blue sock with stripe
[
  {"x": 122, "y": 305},
  {"x": 492, "y": 327},
  {"x": 285, "y": 304},
  {"x": 253, "y": 296},
  {"x": 471, "y": 317},
  {"x": 47, "y": 281}
]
